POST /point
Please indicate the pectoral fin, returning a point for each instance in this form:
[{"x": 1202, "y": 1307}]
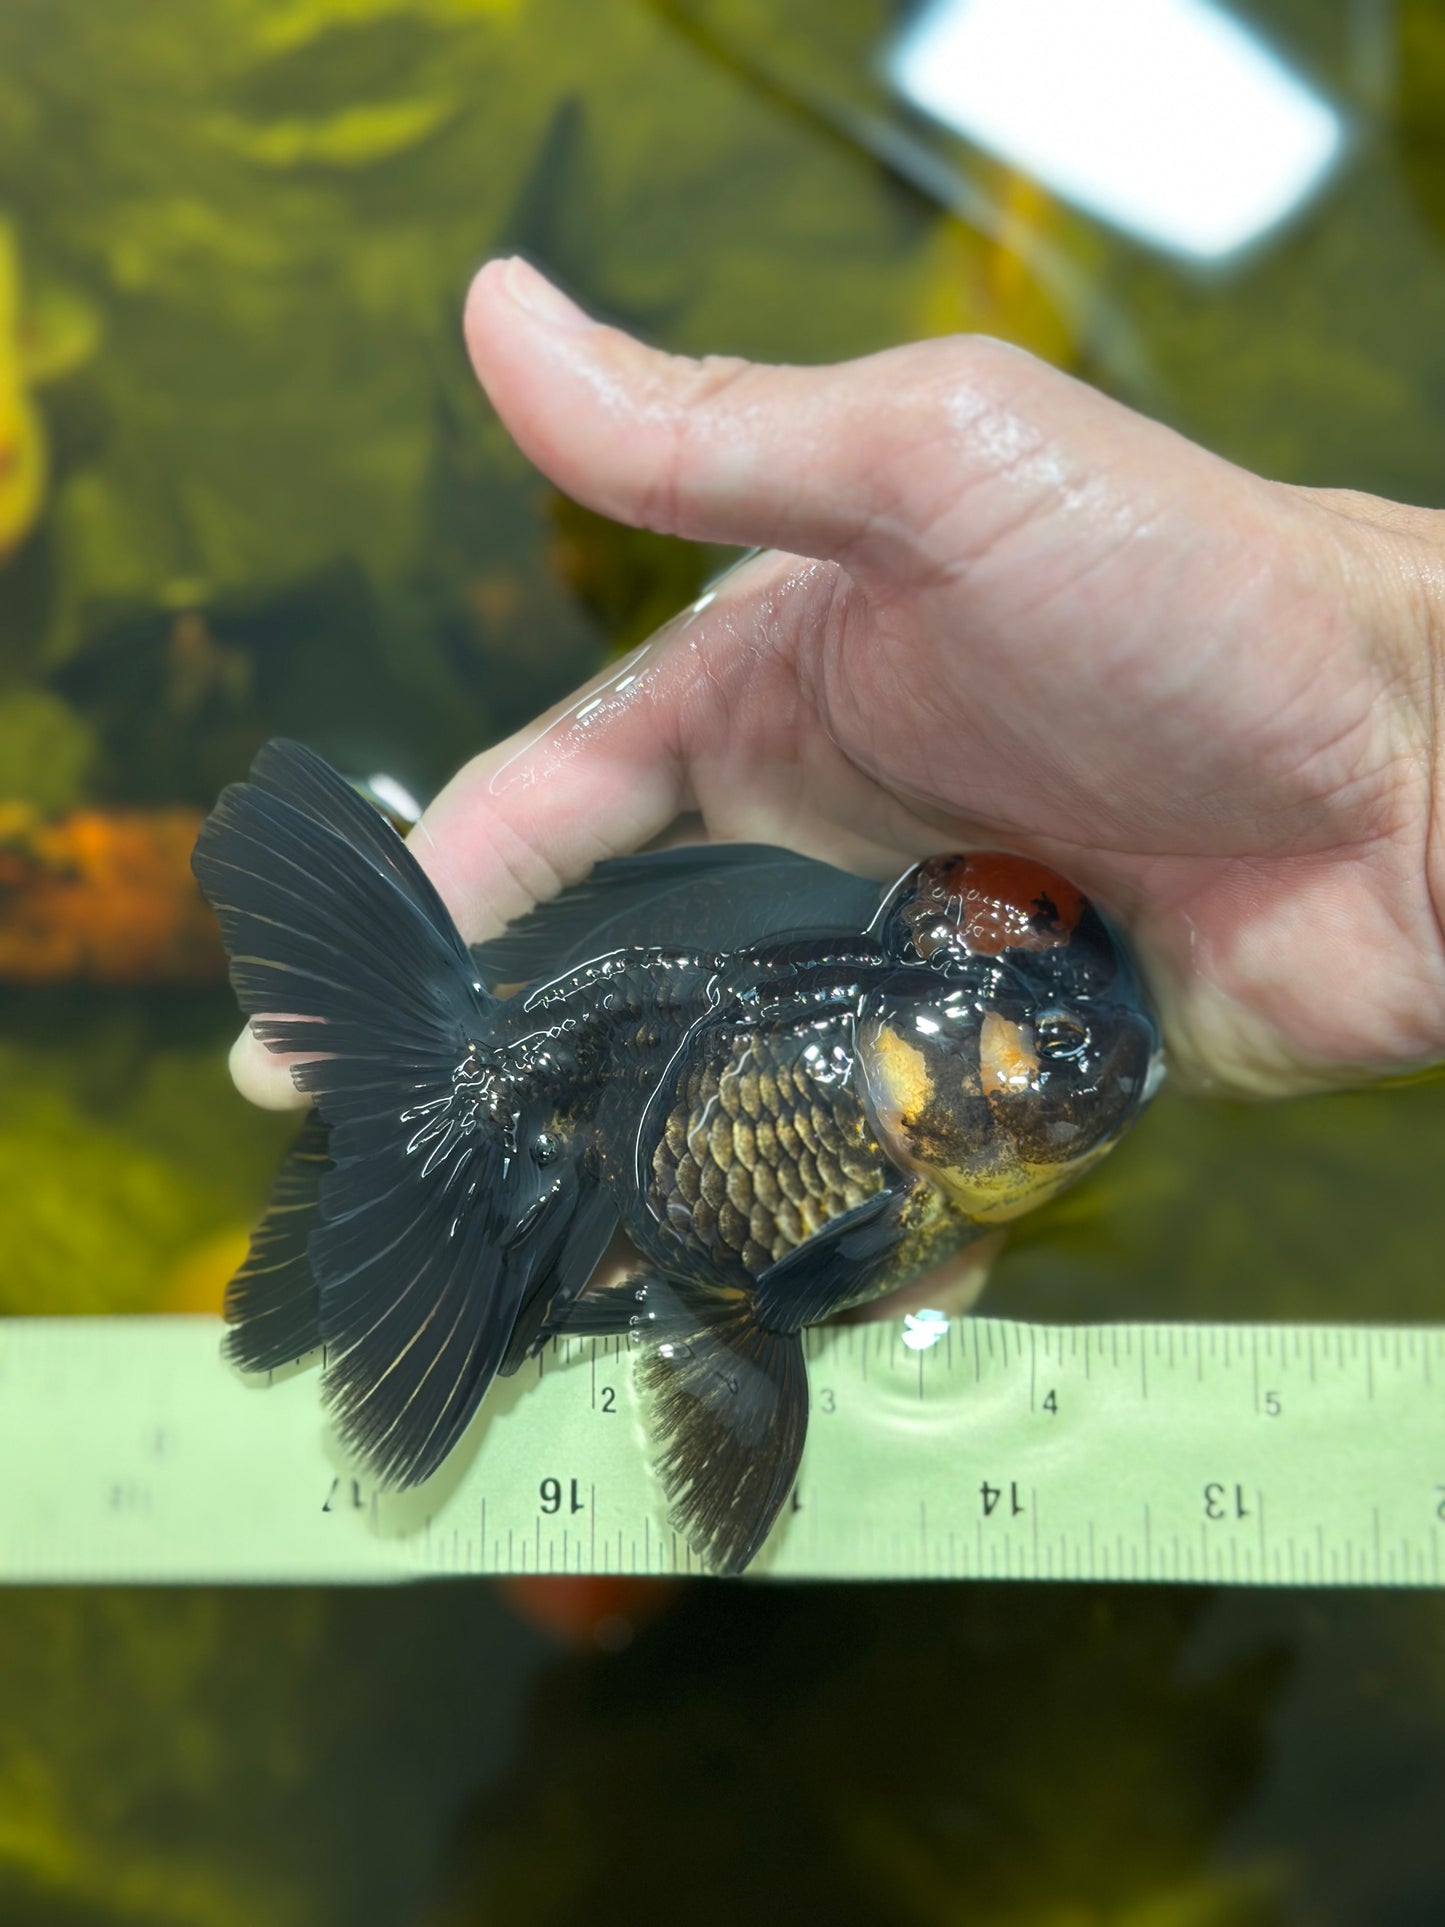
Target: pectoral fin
[{"x": 838, "y": 1266}]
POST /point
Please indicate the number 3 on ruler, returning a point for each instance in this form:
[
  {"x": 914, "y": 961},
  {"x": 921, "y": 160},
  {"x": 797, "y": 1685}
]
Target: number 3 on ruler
[{"x": 1215, "y": 1506}]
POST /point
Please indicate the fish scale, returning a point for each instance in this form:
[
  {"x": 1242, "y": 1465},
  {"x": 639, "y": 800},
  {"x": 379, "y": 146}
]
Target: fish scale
[{"x": 764, "y": 1144}]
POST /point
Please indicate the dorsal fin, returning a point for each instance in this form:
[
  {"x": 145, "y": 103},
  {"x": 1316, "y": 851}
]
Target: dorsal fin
[{"x": 706, "y": 896}]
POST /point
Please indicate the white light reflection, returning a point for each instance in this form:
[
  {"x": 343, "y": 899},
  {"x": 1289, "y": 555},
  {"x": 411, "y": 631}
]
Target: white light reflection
[
  {"x": 1166, "y": 117},
  {"x": 396, "y": 797},
  {"x": 921, "y": 1329}
]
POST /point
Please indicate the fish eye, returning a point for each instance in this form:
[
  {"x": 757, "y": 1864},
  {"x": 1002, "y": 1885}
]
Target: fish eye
[{"x": 1060, "y": 1036}]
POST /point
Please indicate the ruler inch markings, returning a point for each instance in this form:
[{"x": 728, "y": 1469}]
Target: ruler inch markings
[{"x": 1276, "y": 1455}]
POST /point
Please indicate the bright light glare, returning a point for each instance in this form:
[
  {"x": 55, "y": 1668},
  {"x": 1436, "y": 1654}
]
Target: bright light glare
[
  {"x": 924, "y": 1328},
  {"x": 1165, "y": 117}
]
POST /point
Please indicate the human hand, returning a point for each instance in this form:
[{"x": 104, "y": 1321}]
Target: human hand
[{"x": 1007, "y": 611}]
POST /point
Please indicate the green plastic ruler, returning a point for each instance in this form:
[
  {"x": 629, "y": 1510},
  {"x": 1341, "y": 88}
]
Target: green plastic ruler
[{"x": 1280, "y": 1455}]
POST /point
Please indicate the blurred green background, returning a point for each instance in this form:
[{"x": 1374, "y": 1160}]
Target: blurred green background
[{"x": 247, "y": 486}]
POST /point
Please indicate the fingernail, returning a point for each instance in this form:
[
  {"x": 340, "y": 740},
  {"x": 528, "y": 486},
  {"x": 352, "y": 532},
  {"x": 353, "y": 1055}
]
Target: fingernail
[{"x": 536, "y": 294}]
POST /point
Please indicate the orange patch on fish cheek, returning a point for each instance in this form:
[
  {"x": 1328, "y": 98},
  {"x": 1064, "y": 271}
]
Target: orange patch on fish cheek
[
  {"x": 898, "y": 1080},
  {"x": 1007, "y": 1060}
]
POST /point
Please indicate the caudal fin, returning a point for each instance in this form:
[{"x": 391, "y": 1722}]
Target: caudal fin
[
  {"x": 272, "y": 1304},
  {"x": 430, "y": 1233}
]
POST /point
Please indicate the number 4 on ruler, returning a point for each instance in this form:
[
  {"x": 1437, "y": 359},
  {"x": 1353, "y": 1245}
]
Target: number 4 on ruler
[{"x": 992, "y": 1494}]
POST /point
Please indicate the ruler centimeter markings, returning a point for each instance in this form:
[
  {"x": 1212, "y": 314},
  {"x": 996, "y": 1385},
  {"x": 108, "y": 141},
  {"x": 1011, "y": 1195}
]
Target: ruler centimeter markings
[{"x": 1274, "y": 1455}]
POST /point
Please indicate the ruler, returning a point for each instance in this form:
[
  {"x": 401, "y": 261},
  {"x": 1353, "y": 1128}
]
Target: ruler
[{"x": 968, "y": 1449}]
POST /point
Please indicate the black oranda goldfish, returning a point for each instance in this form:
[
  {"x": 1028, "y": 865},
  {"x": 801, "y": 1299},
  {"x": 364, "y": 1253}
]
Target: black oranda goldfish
[{"x": 793, "y": 1091}]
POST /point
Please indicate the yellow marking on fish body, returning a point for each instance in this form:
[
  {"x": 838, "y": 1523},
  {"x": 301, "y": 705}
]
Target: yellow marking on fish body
[{"x": 1013, "y": 1188}]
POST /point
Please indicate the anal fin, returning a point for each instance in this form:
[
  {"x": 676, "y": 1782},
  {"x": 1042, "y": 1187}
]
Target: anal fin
[{"x": 728, "y": 1408}]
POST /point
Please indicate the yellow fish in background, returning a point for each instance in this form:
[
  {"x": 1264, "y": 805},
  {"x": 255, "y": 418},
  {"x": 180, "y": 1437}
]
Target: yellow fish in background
[
  {"x": 37, "y": 344},
  {"x": 998, "y": 282}
]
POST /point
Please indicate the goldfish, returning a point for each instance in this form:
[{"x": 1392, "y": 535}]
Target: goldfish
[
  {"x": 102, "y": 897},
  {"x": 794, "y": 1091},
  {"x": 598, "y": 1610}
]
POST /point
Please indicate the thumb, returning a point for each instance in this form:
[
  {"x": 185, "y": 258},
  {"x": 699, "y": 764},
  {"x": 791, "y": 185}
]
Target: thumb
[{"x": 872, "y": 463}]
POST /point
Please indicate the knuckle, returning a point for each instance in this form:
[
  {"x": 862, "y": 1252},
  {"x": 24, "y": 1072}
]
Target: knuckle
[
  {"x": 964, "y": 378},
  {"x": 694, "y": 391},
  {"x": 714, "y": 376}
]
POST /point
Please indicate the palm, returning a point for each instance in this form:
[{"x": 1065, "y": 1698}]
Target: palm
[{"x": 1249, "y": 795}]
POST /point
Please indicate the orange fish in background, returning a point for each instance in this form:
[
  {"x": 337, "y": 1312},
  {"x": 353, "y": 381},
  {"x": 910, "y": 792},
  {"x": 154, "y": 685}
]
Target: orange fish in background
[
  {"x": 103, "y": 897},
  {"x": 597, "y": 1611}
]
